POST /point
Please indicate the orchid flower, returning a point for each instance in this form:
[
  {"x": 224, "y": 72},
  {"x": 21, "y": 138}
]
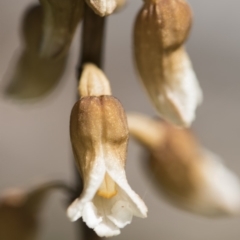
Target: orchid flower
[{"x": 99, "y": 136}]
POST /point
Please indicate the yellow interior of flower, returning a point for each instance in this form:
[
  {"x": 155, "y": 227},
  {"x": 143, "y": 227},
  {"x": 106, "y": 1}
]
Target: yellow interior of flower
[{"x": 108, "y": 188}]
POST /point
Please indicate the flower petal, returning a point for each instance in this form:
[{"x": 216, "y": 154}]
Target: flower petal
[
  {"x": 137, "y": 206},
  {"x": 73, "y": 211},
  {"x": 106, "y": 229},
  {"x": 222, "y": 186},
  {"x": 121, "y": 214},
  {"x": 91, "y": 186},
  {"x": 90, "y": 216},
  {"x": 181, "y": 93}
]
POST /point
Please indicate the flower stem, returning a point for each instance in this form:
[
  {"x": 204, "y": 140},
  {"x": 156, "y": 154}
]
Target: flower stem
[
  {"x": 91, "y": 51},
  {"x": 92, "y": 39}
]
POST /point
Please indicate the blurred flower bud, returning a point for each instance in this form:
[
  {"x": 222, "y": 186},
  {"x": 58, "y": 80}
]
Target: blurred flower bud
[
  {"x": 33, "y": 75},
  {"x": 99, "y": 137},
  {"x": 103, "y": 7},
  {"x": 190, "y": 176},
  {"x": 19, "y": 211},
  {"x": 161, "y": 28},
  {"x": 60, "y": 21}
]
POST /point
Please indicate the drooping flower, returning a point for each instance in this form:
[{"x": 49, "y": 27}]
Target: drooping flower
[
  {"x": 161, "y": 28},
  {"x": 34, "y": 76},
  {"x": 47, "y": 33},
  {"x": 99, "y": 136},
  {"x": 190, "y": 176}
]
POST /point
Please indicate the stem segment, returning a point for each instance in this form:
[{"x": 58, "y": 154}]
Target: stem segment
[{"x": 92, "y": 39}]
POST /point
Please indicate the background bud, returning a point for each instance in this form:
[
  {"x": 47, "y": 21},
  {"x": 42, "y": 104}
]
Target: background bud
[
  {"x": 20, "y": 210},
  {"x": 33, "y": 76},
  {"x": 189, "y": 176}
]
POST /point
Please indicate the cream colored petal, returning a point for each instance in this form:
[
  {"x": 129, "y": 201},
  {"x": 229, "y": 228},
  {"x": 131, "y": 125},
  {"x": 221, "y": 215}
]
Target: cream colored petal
[
  {"x": 91, "y": 185},
  {"x": 93, "y": 82},
  {"x": 221, "y": 187},
  {"x": 180, "y": 94},
  {"x": 107, "y": 229},
  {"x": 121, "y": 214},
  {"x": 90, "y": 215},
  {"x": 102, "y": 7},
  {"x": 137, "y": 205}
]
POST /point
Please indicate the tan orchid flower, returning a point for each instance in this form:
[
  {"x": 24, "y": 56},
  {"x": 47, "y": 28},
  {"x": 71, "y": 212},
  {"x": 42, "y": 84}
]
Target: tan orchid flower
[
  {"x": 99, "y": 136},
  {"x": 19, "y": 211},
  {"x": 161, "y": 28},
  {"x": 190, "y": 176},
  {"x": 34, "y": 76},
  {"x": 60, "y": 19}
]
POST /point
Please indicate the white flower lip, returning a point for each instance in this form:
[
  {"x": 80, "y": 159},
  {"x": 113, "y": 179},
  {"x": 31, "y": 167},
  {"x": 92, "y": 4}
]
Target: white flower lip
[{"x": 107, "y": 215}]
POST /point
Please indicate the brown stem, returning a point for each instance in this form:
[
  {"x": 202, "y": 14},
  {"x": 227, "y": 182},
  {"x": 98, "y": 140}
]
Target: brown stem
[
  {"x": 91, "y": 51},
  {"x": 92, "y": 39}
]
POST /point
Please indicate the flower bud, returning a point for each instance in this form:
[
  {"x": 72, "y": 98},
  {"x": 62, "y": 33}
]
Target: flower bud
[
  {"x": 34, "y": 76},
  {"x": 19, "y": 211},
  {"x": 189, "y": 176},
  {"x": 164, "y": 67},
  {"x": 99, "y": 137},
  {"x": 93, "y": 82},
  {"x": 103, "y": 7},
  {"x": 60, "y": 21}
]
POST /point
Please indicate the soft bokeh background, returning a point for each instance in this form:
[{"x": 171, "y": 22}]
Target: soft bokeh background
[{"x": 34, "y": 138}]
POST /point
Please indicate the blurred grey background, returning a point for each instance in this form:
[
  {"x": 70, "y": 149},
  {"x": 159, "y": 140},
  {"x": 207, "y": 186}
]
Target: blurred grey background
[{"x": 34, "y": 138}]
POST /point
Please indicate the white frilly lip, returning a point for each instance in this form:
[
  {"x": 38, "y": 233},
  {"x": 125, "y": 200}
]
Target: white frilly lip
[{"x": 107, "y": 216}]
